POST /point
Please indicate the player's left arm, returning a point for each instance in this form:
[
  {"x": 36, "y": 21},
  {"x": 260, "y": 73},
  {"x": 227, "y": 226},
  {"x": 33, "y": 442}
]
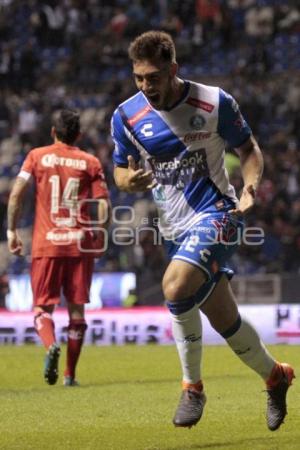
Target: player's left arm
[
  {"x": 234, "y": 129},
  {"x": 252, "y": 165},
  {"x": 128, "y": 174},
  {"x": 100, "y": 193},
  {"x": 14, "y": 208},
  {"x": 104, "y": 212}
]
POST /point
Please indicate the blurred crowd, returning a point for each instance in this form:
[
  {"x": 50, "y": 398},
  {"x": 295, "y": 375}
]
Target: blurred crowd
[{"x": 73, "y": 53}]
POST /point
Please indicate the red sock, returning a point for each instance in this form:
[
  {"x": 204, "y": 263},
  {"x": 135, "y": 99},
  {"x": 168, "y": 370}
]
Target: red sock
[
  {"x": 44, "y": 326},
  {"x": 76, "y": 331}
]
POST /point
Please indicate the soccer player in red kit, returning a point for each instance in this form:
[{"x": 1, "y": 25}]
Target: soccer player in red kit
[{"x": 63, "y": 245}]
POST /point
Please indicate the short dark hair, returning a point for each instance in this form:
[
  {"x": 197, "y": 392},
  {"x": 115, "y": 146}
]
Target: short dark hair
[
  {"x": 67, "y": 125},
  {"x": 156, "y": 46}
]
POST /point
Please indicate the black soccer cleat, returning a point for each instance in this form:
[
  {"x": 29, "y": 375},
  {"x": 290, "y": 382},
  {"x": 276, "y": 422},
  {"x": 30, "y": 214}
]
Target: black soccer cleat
[
  {"x": 51, "y": 364},
  {"x": 276, "y": 404},
  {"x": 190, "y": 408}
]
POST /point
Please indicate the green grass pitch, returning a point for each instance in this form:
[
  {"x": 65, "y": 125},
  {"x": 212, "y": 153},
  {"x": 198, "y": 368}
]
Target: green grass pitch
[{"x": 127, "y": 399}]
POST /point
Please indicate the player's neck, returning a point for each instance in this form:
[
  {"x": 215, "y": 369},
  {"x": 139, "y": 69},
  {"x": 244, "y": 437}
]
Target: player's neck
[
  {"x": 176, "y": 93},
  {"x": 57, "y": 141}
]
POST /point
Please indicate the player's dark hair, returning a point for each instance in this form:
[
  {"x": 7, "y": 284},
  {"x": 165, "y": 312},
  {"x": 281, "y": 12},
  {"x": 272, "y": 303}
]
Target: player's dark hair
[
  {"x": 67, "y": 126},
  {"x": 156, "y": 46}
]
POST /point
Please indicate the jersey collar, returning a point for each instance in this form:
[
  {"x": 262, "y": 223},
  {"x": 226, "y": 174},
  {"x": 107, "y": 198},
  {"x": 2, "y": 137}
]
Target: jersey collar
[{"x": 182, "y": 98}]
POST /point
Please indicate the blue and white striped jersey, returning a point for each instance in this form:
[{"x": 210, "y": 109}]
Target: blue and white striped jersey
[{"x": 185, "y": 148}]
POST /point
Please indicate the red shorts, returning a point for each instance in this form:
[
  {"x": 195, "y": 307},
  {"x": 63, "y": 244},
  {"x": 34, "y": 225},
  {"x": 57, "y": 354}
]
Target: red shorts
[{"x": 71, "y": 274}]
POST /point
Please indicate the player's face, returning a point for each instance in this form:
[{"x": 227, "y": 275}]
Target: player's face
[{"x": 155, "y": 81}]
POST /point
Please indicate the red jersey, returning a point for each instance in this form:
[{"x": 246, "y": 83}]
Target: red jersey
[{"x": 66, "y": 179}]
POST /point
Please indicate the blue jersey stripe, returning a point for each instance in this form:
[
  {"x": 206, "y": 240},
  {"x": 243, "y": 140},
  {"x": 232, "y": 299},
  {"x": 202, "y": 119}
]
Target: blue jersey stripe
[{"x": 162, "y": 140}]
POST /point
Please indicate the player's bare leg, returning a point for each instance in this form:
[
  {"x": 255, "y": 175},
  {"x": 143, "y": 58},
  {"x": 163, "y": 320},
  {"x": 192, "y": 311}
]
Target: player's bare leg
[
  {"x": 76, "y": 331},
  {"x": 44, "y": 326},
  {"x": 222, "y": 312},
  {"x": 180, "y": 282}
]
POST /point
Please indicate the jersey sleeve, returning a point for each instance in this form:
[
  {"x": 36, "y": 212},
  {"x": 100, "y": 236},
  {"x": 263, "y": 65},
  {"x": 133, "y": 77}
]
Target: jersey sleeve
[
  {"x": 232, "y": 126},
  {"x": 28, "y": 167},
  {"x": 123, "y": 146},
  {"x": 98, "y": 184}
]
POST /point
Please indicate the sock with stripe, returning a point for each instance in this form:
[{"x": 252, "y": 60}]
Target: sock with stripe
[
  {"x": 187, "y": 333},
  {"x": 246, "y": 344},
  {"x": 76, "y": 332}
]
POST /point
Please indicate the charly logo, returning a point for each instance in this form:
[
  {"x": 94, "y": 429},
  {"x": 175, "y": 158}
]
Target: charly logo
[
  {"x": 147, "y": 130},
  {"x": 197, "y": 122}
]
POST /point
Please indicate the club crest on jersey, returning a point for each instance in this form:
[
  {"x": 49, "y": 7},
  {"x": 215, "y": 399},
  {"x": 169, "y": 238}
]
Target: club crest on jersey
[{"x": 197, "y": 122}]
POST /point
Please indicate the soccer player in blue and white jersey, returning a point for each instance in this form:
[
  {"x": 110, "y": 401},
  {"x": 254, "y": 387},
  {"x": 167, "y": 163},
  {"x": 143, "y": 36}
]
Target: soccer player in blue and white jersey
[{"x": 170, "y": 138}]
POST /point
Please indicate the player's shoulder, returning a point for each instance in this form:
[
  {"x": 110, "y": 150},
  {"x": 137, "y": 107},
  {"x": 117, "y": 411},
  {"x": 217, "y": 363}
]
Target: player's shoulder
[
  {"x": 214, "y": 94},
  {"x": 205, "y": 97},
  {"x": 228, "y": 102},
  {"x": 136, "y": 98},
  {"x": 91, "y": 159},
  {"x": 204, "y": 89},
  {"x": 131, "y": 105},
  {"x": 82, "y": 154},
  {"x": 37, "y": 151}
]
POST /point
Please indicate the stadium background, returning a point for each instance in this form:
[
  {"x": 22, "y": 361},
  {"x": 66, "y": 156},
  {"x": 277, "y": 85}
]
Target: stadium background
[{"x": 74, "y": 53}]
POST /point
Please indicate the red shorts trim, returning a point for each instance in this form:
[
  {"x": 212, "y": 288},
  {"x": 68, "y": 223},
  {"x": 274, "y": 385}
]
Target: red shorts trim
[{"x": 72, "y": 275}]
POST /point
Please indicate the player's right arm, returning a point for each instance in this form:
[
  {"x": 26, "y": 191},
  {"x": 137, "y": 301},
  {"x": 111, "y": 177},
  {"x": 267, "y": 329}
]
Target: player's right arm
[
  {"x": 99, "y": 192},
  {"x": 15, "y": 203},
  {"x": 127, "y": 174},
  {"x": 14, "y": 242}
]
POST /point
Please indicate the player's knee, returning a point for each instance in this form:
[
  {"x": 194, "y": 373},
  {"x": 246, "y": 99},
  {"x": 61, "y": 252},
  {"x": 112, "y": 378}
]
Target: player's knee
[
  {"x": 40, "y": 317},
  {"x": 175, "y": 291},
  {"x": 76, "y": 312}
]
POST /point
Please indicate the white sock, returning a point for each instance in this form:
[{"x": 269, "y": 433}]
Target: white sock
[
  {"x": 247, "y": 345},
  {"x": 187, "y": 332}
]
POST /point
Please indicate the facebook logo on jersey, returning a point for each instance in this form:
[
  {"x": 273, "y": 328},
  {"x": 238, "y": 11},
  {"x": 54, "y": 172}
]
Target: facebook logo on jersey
[
  {"x": 147, "y": 130},
  {"x": 182, "y": 169}
]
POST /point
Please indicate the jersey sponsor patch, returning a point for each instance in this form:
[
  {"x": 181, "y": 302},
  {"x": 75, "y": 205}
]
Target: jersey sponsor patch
[
  {"x": 198, "y": 136},
  {"x": 139, "y": 115},
  {"x": 52, "y": 160},
  {"x": 208, "y": 107},
  {"x": 62, "y": 237},
  {"x": 180, "y": 170}
]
